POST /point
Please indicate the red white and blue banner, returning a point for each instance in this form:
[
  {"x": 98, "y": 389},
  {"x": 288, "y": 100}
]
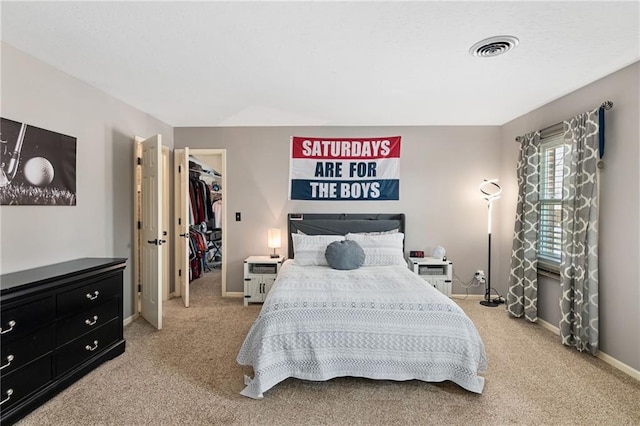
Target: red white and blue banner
[{"x": 344, "y": 169}]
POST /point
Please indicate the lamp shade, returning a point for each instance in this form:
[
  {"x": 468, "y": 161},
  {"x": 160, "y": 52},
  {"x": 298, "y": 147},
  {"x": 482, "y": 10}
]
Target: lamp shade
[{"x": 274, "y": 239}]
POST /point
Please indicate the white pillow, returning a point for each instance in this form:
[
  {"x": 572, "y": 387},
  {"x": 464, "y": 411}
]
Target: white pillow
[
  {"x": 308, "y": 250},
  {"x": 381, "y": 250}
]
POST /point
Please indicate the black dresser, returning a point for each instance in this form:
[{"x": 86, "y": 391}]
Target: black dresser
[{"x": 58, "y": 322}]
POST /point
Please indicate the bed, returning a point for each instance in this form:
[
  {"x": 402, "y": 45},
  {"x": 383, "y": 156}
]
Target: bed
[{"x": 377, "y": 321}]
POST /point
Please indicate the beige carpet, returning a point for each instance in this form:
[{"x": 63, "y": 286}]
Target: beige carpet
[{"x": 186, "y": 374}]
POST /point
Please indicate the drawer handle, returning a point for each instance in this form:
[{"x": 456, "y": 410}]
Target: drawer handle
[
  {"x": 89, "y": 322},
  {"x": 9, "y": 392},
  {"x": 11, "y": 324},
  {"x": 92, "y": 348},
  {"x": 93, "y": 296},
  {"x": 9, "y": 359}
]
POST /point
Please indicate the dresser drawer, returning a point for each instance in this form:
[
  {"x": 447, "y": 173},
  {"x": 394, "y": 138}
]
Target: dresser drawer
[
  {"x": 19, "y": 352},
  {"x": 84, "y": 322},
  {"x": 76, "y": 352},
  {"x": 17, "y": 321},
  {"x": 90, "y": 295},
  {"x": 24, "y": 381}
]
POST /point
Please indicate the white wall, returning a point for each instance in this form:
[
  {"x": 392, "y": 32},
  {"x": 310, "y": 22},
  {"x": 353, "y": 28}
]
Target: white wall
[
  {"x": 100, "y": 225},
  {"x": 440, "y": 170},
  {"x": 619, "y": 260}
]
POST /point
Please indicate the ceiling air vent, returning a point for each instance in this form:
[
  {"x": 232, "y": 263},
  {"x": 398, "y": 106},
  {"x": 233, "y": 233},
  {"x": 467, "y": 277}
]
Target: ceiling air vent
[{"x": 493, "y": 46}]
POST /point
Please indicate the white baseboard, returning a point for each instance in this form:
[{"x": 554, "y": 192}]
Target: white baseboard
[
  {"x": 234, "y": 294},
  {"x": 603, "y": 356},
  {"x": 130, "y": 319},
  {"x": 468, "y": 296},
  {"x": 619, "y": 365},
  {"x": 552, "y": 328}
]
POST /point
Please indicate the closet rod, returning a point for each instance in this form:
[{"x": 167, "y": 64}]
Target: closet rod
[{"x": 557, "y": 128}]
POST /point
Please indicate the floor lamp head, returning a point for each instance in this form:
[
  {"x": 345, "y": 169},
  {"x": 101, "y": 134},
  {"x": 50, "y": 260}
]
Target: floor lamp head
[{"x": 490, "y": 190}]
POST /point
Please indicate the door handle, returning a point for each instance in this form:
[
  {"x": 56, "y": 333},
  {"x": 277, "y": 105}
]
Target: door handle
[
  {"x": 9, "y": 392},
  {"x": 184, "y": 235},
  {"x": 93, "y": 296},
  {"x": 92, "y": 348},
  {"x": 11, "y": 324},
  {"x": 9, "y": 359}
]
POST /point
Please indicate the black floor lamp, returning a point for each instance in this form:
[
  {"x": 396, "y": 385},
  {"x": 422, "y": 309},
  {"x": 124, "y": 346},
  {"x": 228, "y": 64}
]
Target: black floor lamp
[{"x": 490, "y": 191}]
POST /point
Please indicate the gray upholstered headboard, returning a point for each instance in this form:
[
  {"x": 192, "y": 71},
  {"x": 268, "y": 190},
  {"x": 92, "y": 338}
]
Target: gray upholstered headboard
[{"x": 341, "y": 224}]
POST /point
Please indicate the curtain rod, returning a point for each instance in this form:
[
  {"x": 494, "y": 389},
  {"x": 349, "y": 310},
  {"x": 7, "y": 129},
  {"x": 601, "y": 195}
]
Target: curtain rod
[{"x": 607, "y": 105}]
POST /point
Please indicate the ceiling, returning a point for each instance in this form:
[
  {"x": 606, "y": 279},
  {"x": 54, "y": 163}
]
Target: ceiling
[{"x": 326, "y": 63}]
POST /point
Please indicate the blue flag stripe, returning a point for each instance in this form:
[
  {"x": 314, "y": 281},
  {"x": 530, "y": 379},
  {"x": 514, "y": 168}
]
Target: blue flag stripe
[{"x": 371, "y": 190}]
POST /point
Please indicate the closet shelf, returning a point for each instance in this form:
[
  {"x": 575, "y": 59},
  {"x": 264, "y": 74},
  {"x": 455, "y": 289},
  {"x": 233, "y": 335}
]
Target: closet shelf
[{"x": 205, "y": 168}]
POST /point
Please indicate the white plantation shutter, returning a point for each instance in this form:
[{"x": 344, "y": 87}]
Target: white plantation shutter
[{"x": 550, "y": 233}]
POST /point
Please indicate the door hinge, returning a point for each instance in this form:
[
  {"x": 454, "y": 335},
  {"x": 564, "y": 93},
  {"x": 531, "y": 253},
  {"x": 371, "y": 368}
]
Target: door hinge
[
  {"x": 139, "y": 288},
  {"x": 139, "y": 160},
  {"x": 139, "y": 225},
  {"x": 179, "y": 272},
  {"x": 179, "y": 169},
  {"x": 179, "y": 221}
]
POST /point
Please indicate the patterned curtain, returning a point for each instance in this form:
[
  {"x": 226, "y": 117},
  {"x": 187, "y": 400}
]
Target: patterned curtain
[
  {"x": 579, "y": 266},
  {"x": 522, "y": 297}
]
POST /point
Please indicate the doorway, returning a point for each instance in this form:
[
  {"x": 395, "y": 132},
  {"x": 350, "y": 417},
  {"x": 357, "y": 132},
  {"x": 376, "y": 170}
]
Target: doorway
[
  {"x": 172, "y": 240},
  {"x": 200, "y": 217}
]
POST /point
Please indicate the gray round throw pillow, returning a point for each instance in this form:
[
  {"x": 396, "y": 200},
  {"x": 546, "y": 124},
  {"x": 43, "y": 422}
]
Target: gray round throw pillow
[{"x": 344, "y": 255}]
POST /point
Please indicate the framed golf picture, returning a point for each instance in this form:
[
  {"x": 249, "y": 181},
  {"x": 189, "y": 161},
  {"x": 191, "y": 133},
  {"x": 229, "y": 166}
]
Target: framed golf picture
[{"x": 37, "y": 166}]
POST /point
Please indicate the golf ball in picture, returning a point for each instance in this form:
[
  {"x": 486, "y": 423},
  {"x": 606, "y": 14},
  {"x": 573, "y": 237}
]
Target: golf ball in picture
[{"x": 38, "y": 171}]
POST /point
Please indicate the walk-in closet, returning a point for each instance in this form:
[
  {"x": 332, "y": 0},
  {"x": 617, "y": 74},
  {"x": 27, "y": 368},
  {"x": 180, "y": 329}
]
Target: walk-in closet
[
  {"x": 200, "y": 218},
  {"x": 205, "y": 218}
]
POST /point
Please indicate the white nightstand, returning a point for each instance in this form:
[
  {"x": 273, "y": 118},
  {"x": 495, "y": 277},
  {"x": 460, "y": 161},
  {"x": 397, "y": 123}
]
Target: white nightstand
[
  {"x": 437, "y": 272},
  {"x": 259, "y": 274}
]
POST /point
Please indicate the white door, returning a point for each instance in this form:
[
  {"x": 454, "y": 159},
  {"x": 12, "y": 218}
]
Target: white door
[
  {"x": 181, "y": 173},
  {"x": 151, "y": 231}
]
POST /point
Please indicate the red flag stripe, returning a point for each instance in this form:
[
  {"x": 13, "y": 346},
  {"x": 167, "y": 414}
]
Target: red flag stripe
[{"x": 353, "y": 148}]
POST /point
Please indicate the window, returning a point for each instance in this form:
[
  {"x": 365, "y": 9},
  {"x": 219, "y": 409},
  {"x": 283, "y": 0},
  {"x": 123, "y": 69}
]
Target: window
[{"x": 550, "y": 233}]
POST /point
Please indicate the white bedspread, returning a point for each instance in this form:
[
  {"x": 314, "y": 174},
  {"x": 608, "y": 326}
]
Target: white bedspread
[{"x": 379, "y": 322}]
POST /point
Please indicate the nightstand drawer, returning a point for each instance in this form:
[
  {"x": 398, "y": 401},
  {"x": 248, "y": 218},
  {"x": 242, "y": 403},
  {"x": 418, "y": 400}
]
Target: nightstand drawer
[
  {"x": 25, "y": 381},
  {"x": 20, "y": 352},
  {"x": 88, "y": 296},
  {"x": 20, "y": 320},
  {"x": 75, "y": 353},
  {"x": 84, "y": 322}
]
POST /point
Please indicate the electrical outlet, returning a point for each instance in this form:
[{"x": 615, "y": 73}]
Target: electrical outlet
[{"x": 479, "y": 275}]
